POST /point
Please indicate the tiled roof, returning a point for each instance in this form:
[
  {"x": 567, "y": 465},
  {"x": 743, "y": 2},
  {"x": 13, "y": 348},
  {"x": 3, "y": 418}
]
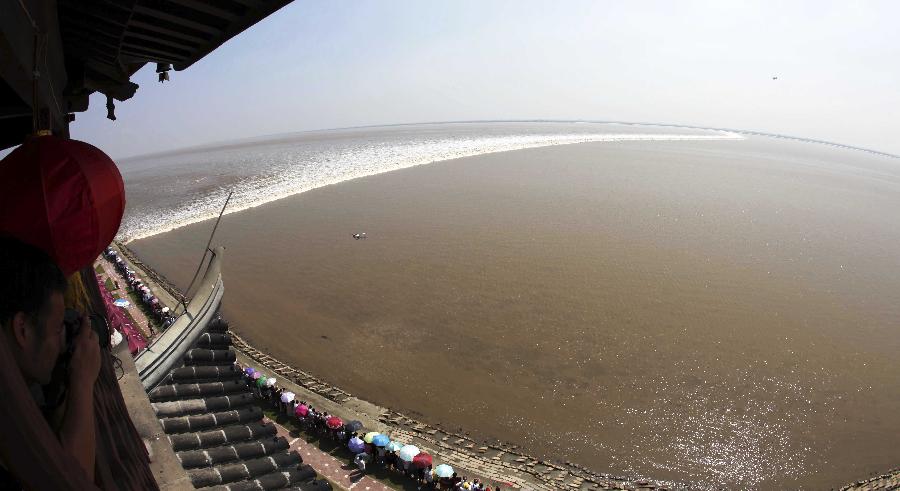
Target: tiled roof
[{"x": 217, "y": 430}]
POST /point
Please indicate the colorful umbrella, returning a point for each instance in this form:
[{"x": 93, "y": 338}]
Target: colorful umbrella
[
  {"x": 394, "y": 446},
  {"x": 351, "y": 426},
  {"x": 422, "y": 460},
  {"x": 334, "y": 422},
  {"x": 356, "y": 445},
  {"x": 255, "y": 375},
  {"x": 261, "y": 381},
  {"x": 249, "y": 370},
  {"x": 408, "y": 452},
  {"x": 121, "y": 302},
  {"x": 380, "y": 440},
  {"x": 287, "y": 396},
  {"x": 63, "y": 196},
  {"x": 301, "y": 410},
  {"x": 443, "y": 470},
  {"x": 370, "y": 435}
]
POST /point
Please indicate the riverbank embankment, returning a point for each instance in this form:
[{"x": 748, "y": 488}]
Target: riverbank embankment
[{"x": 500, "y": 463}]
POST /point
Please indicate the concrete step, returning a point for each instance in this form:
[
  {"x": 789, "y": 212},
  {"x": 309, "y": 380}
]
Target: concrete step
[
  {"x": 208, "y": 421},
  {"x": 187, "y": 407},
  {"x": 193, "y": 459},
  {"x": 250, "y": 469},
  {"x": 174, "y": 392},
  {"x": 228, "y": 435}
]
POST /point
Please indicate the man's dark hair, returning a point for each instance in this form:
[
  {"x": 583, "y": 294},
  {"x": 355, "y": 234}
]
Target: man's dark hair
[{"x": 28, "y": 276}]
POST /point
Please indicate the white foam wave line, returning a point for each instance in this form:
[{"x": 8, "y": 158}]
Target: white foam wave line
[{"x": 272, "y": 188}]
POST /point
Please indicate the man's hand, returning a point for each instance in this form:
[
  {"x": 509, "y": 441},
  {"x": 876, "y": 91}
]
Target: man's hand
[
  {"x": 77, "y": 432},
  {"x": 85, "y": 364}
]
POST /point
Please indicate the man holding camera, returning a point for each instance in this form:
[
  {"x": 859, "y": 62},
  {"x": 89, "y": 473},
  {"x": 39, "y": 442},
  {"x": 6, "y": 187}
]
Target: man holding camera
[{"x": 32, "y": 312}]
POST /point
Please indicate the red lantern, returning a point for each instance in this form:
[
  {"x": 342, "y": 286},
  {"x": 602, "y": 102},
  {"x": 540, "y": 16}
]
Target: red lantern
[{"x": 64, "y": 196}]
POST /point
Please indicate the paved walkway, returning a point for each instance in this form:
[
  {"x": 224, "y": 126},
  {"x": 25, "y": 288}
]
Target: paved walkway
[
  {"x": 346, "y": 475},
  {"x": 110, "y": 272}
]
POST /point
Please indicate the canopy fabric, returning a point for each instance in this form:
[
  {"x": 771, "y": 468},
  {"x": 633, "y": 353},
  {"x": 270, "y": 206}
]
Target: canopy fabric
[
  {"x": 443, "y": 470},
  {"x": 352, "y": 426},
  {"x": 355, "y": 445},
  {"x": 408, "y": 452},
  {"x": 422, "y": 460}
]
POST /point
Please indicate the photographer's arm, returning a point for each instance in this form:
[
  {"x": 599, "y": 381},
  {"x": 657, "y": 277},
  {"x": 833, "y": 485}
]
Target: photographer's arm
[{"x": 77, "y": 432}]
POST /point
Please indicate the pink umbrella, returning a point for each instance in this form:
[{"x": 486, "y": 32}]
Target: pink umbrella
[
  {"x": 301, "y": 410},
  {"x": 422, "y": 460},
  {"x": 256, "y": 375}
]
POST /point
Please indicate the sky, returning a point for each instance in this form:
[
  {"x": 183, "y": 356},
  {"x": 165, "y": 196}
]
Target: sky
[{"x": 329, "y": 64}]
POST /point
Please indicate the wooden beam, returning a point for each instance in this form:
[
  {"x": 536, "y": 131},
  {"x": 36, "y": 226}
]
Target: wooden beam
[
  {"x": 130, "y": 55},
  {"x": 210, "y": 9},
  {"x": 248, "y": 3},
  {"x": 152, "y": 28},
  {"x": 161, "y": 39},
  {"x": 174, "y": 19},
  {"x": 146, "y": 48},
  {"x": 156, "y": 45}
]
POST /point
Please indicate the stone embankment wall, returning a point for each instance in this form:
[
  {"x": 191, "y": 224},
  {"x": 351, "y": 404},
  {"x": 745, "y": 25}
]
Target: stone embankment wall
[
  {"x": 890, "y": 480},
  {"x": 500, "y": 462}
]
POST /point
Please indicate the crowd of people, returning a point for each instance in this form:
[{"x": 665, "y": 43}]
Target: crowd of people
[
  {"x": 369, "y": 448},
  {"x": 161, "y": 314}
]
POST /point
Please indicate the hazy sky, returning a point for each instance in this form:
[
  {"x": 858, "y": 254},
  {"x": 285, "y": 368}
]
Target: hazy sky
[{"x": 326, "y": 64}]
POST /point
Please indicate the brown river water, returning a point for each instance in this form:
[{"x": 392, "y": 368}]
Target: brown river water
[{"x": 720, "y": 314}]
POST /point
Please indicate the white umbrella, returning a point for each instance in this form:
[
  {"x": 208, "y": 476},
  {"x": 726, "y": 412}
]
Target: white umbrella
[
  {"x": 409, "y": 452},
  {"x": 287, "y": 396},
  {"x": 165, "y": 310},
  {"x": 121, "y": 302},
  {"x": 116, "y": 338},
  {"x": 270, "y": 382}
]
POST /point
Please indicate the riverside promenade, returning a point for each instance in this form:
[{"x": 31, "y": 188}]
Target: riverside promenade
[
  {"x": 109, "y": 271},
  {"x": 499, "y": 464},
  {"x": 496, "y": 464},
  {"x": 341, "y": 474}
]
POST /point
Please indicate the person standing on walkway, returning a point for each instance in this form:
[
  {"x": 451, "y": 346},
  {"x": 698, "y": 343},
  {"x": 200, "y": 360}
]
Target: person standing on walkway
[{"x": 360, "y": 461}]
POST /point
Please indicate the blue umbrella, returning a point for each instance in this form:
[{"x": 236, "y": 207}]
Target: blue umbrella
[
  {"x": 381, "y": 441},
  {"x": 356, "y": 445},
  {"x": 121, "y": 302},
  {"x": 351, "y": 426},
  {"x": 249, "y": 370}
]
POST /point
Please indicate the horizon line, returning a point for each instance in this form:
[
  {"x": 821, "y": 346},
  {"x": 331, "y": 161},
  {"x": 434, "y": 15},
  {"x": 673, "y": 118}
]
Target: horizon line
[{"x": 270, "y": 137}]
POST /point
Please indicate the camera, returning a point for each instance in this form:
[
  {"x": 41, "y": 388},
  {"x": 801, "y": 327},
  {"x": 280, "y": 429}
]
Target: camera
[
  {"x": 55, "y": 391},
  {"x": 72, "y": 321}
]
